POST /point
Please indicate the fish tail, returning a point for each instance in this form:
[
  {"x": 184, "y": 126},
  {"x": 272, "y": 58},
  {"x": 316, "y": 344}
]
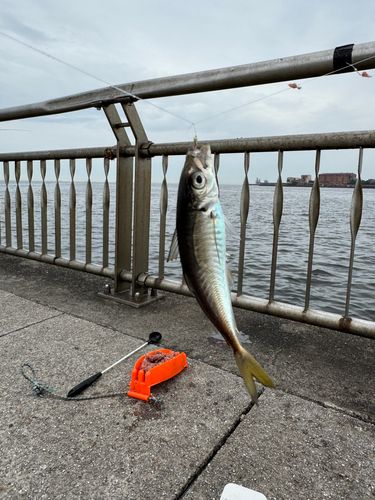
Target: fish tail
[{"x": 250, "y": 368}]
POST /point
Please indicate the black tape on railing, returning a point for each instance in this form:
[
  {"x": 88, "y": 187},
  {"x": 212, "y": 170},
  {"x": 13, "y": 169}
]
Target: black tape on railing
[{"x": 342, "y": 59}]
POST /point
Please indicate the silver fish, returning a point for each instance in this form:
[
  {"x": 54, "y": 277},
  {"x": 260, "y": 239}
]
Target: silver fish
[{"x": 200, "y": 240}]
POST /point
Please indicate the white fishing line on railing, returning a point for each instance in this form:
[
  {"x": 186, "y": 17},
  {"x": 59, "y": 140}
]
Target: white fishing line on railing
[
  {"x": 290, "y": 87},
  {"x": 97, "y": 78}
]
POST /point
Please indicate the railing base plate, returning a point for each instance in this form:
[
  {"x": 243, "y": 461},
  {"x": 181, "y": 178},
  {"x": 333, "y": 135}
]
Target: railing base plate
[{"x": 127, "y": 298}]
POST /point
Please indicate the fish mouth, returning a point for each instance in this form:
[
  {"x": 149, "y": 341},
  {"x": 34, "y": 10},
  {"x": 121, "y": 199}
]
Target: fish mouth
[{"x": 202, "y": 157}]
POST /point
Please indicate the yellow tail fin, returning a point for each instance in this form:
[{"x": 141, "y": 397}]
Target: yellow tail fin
[{"x": 250, "y": 368}]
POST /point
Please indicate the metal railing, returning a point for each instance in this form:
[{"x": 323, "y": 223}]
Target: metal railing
[
  {"x": 270, "y": 306},
  {"x": 38, "y": 220},
  {"x": 130, "y": 272}
]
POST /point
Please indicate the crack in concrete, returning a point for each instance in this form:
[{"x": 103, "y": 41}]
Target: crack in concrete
[
  {"x": 330, "y": 406},
  {"x": 215, "y": 450},
  {"x": 29, "y": 324},
  {"x": 244, "y": 413}
]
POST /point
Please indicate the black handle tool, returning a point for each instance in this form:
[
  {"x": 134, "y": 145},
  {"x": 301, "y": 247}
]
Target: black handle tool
[{"x": 154, "y": 338}]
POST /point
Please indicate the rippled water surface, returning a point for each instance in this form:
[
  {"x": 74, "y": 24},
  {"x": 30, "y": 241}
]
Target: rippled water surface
[
  {"x": 332, "y": 241},
  {"x": 331, "y": 250}
]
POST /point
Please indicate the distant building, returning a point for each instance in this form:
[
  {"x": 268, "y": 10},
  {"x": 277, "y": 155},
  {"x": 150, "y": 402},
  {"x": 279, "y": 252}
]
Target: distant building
[
  {"x": 304, "y": 180},
  {"x": 291, "y": 180},
  {"x": 339, "y": 179}
]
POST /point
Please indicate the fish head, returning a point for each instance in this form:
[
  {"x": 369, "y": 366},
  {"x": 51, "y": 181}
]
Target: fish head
[{"x": 198, "y": 184}]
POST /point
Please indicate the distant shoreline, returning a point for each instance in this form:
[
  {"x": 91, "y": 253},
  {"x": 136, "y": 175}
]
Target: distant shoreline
[{"x": 273, "y": 184}]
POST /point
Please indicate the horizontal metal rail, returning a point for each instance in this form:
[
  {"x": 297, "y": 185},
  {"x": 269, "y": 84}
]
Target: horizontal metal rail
[
  {"x": 279, "y": 309},
  {"x": 302, "y": 142},
  {"x": 108, "y": 272},
  {"x": 283, "y": 69},
  {"x": 62, "y": 154}
]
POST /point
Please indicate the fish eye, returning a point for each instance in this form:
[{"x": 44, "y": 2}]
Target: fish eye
[{"x": 198, "y": 180}]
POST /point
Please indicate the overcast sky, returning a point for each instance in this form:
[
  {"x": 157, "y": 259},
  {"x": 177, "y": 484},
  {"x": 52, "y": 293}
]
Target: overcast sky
[{"x": 120, "y": 42}]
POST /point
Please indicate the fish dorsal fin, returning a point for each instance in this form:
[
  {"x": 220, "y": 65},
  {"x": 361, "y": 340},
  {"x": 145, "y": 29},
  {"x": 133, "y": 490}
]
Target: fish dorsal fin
[
  {"x": 231, "y": 230},
  {"x": 173, "y": 251}
]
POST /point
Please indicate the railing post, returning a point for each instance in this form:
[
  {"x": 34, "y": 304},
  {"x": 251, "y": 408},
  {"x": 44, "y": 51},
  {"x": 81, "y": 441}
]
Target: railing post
[
  {"x": 163, "y": 216},
  {"x": 124, "y": 200},
  {"x": 142, "y": 203},
  {"x": 106, "y": 204},
  {"x": 355, "y": 221},
  {"x": 57, "y": 211},
  {"x": 17, "y": 174},
  {"x": 8, "y": 224},
  {"x": 132, "y": 243},
  {"x": 314, "y": 209},
  {"x": 244, "y": 212},
  {"x": 30, "y": 207},
  {"x": 43, "y": 207},
  {"x": 72, "y": 210},
  {"x": 277, "y": 214},
  {"x": 88, "y": 212}
]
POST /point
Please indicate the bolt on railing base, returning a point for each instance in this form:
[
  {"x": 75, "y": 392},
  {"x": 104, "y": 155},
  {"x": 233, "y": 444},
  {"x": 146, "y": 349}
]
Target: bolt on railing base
[{"x": 126, "y": 297}]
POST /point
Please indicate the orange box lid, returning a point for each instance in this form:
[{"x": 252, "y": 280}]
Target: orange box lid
[{"x": 141, "y": 382}]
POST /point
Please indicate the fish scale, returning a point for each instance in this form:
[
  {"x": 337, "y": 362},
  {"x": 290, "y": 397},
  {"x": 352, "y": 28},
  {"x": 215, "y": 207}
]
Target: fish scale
[{"x": 211, "y": 271}]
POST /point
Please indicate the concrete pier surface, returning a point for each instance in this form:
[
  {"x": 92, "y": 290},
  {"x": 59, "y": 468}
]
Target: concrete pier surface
[{"x": 311, "y": 438}]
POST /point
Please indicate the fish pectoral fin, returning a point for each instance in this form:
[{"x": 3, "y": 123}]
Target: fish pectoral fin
[
  {"x": 231, "y": 230},
  {"x": 213, "y": 218},
  {"x": 229, "y": 276},
  {"x": 173, "y": 251},
  {"x": 249, "y": 368}
]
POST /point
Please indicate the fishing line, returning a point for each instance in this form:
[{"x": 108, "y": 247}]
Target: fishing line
[
  {"x": 98, "y": 79},
  {"x": 284, "y": 90},
  {"x": 192, "y": 124},
  {"x": 242, "y": 106},
  {"x": 15, "y": 129}
]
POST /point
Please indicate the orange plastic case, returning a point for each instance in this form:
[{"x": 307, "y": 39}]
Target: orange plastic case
[{"x": 141, "y": 383}]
